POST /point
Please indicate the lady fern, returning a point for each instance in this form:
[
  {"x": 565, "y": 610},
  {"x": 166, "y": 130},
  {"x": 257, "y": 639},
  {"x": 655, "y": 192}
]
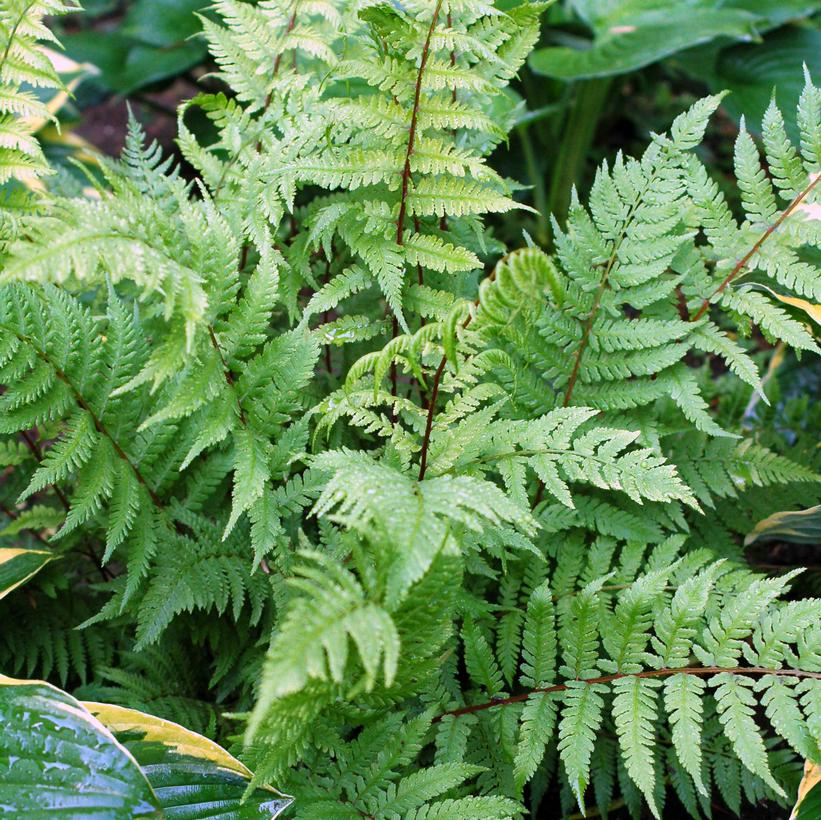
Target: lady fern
[
  {"x": 454, "y": 530},
  {"x": 23, "y": 69}
]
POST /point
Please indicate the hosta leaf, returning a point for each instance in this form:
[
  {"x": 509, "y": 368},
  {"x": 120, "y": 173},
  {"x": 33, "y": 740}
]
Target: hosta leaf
[
  {"x": 56, "y": 758},
  {"x": 127, "y": 63},
  {"x": 38, "y": 517},
  {"x": 752, "y": 71},
  {"x": 811, "y": 309},
  {"x": 808, "y": 804},
  {"x": 796, "y": 526},
  {"x": 192, "y": 776},
  {"x": 18, "y": 565},
  {"x": 638, "y": 38}
]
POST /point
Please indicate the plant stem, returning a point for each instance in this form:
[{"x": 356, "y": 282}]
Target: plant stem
[
  {"x": 651, "y": 673},
  {"x": 744, "y": 261},
  {"x": 536, "y": 179},
  {"x": 278, "y": 60},
  {"x": 417, "y": 99},
  {"x": 229, "y": 378},
  {"x": 38, "y": 454},
  {"x": 423, "y": 460},
  {"x": 406, "y": 175},
  {"x": 98, "y": 423},
  {"x": 434, "y": 395},
  {"x": 588, "y": 325},
  {"x": 14, "y": 516},
  {"x": 579, "y": 132},
  {"x": 89, "y": 552}
]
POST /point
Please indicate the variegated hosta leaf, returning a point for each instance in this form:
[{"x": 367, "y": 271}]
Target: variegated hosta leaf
[
  {"x": 89, "y": 760},
  {"x": 795, "y": 526},
  {"x": 192, "y": 776},
  {"x": 808, "y": 804},
  {"x": 18, "y": 565},
  {"x": 57, "y": 759}
]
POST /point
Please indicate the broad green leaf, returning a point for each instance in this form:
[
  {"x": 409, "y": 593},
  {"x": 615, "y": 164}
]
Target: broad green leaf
[
  {"x": 72, "y": 73},
  {"x": 57, "y": 759},
  {"x": 127, "y": 64},
  {"x": 752, "y": 71},
  {"x": 774, "y": 12},
  {"x": 163, "y": 23},
  {"x": 808, "y": 804},
  {"x": 810, "y": 807},
  {"x": 18, "y": 565},
  {"x": 636, "y": 37},
  {"x": 771, "y": 12},
  {"x": 795, "y": 526},
  {"x": 193, "y": 777}
]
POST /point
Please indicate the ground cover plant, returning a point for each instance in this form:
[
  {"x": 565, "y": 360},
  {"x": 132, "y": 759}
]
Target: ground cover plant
[{"x": 322, "y": 500}]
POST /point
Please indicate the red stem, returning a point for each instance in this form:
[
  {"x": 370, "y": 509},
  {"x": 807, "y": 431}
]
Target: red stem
[
  {"x": 681, "y": 304},
  {"x": 89, "y": 550},
  {"x": 394, "y": 373},
  {"x": 277, "y": 63},
  {"x": 434, "y": 394},
  {"x": 742, "y": 263},
  {"x": 588, "y": 327},
  {"x": 406, "y": 174},
  {"x": 38, "y": 454},
  {"x": 98, "y": 424},
  {"x": 291, "y": 24},
  {"x": 423, "y": 461},
  {"x": 229, "y": 379},
  {"x": 420, "y": 275},
  {"x": 14, "y": 516},
  {"x": 652, "y": 673},
  {"x": 406, "y": 171}
]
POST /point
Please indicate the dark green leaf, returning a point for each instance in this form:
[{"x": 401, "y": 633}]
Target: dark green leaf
[
  {"x": 799, "y": 526},
  {"x": 637, "y": 38},
  {"x": 163, "y": 23},
  {"x": 810, "y": 807},
  {"x": 193, "y": 776},
  {"x": 126, "y": 64},
  {"x": 56, "y": 758},
  {"x": 18, "y": 565},
  {"x": 751, "y": 72}
]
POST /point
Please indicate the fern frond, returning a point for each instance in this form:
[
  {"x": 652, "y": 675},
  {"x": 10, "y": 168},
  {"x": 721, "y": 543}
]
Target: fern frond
[{"x": 23, "y": 62}]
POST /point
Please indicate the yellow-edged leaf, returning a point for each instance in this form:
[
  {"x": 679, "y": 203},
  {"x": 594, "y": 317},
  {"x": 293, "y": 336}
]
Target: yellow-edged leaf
[
  {"x": 812, "y": 310},
  {"x": 18, "y": 565},
  {"x": 191, "y": 774},
  {"x": 811, "y": 779},
  {"x": 158, "y": 730},
  {"x": 62, "y": 65},
  {"x": 801, "y": 526},
  {"x": 57, "y": 759}
]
